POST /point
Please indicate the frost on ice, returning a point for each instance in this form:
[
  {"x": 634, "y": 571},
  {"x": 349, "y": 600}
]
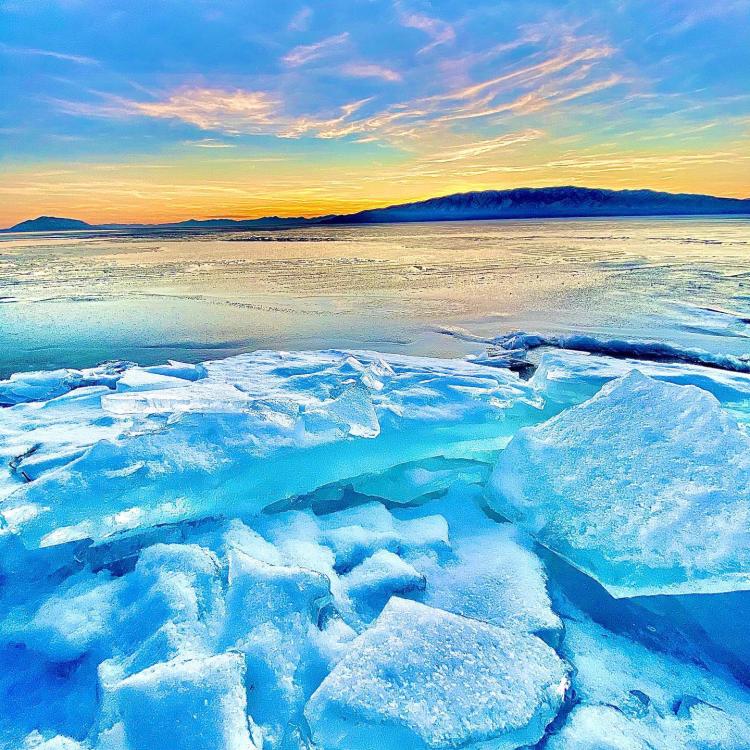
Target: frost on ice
[
  {"x": 306, "y": 552},
  {"x": 423, "y": 678},
  {"x": 646, "y": 486}
]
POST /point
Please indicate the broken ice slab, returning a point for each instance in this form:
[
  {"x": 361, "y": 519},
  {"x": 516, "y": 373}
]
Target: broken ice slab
[
  {"x": 645, "y": 487},
  {"x": 489, "y": 572},
  {"x": 422, "y": 678},
  {"x": 633, "y": 698},
  {"x": 384, "y": 574},
  {"x": 256, "y": 429},
  {"x": 186, "y": 703},
  {"x": 43, "y": 385},
  {"x": 37, "y": 437},
  {"x": 569, "y": 377}
]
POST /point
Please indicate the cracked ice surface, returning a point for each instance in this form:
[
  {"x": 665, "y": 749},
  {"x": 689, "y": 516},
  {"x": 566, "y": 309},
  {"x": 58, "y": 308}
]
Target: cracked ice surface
[
  {"x": 254, "y": 429},
  {"x": 297, "y": 552}
]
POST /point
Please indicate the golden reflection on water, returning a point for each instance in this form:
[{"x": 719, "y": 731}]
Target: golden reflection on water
[{"x": 387, "y": 287}]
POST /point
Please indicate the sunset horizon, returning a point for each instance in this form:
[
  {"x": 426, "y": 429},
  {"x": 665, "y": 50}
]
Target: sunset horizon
[
  {"x": 348, "y": 208},
  {"x": 304, "y": 111}
]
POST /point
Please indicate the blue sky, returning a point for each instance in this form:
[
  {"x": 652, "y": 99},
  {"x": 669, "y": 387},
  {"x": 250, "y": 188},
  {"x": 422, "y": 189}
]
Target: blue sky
[{"x": 168, "y": 109}]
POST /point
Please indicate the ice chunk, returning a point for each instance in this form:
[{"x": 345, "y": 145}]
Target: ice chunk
[
  {"x": 190, "y": 704},
  {"x": 633, "y": 698},
  {"x": 424, "y": 678},
  {"x": 259, "y": 592},
  {"x": 352, "y": 411},
  {"x": 172, "y": 605},
  {"x": 495, "y": 579},
  {"x": 646, "y": 487},
  {"x": 488, "y": 572},
  {"x": 569, "y": 377},
  {"x": 375, "y": 580},
  {"x": 37, "y": 438},
  {"x": 356, "y": 533},
  {"x": 73, "y": 620},
  {"x": 281, "y": 618},
  {"x": 36, "y": 741},
  {"x": 177, "y": 369},
  {"x": 137, "y": 379},
  {"x": 37, "y": 386},
  {"x": 178, "y": 585},
  {"x": 43, "y": 385},
  {"x": 239, "y": 537}
]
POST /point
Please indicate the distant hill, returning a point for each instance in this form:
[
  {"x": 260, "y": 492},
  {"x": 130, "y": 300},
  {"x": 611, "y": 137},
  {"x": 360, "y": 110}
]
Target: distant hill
[
  {"x": 548, "y": 203},
  {"x": 49, "y": 224},
  {"x": 57, "y": 224},
  {"x": 267, "y": 222},
  {"x": 518, "y": 203}
]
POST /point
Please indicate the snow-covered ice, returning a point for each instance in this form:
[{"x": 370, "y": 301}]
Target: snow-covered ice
[
  {"x": 305, "y": 551},
  {"x": 423, "y": 678},
  {"x": 197, "y": 703}
]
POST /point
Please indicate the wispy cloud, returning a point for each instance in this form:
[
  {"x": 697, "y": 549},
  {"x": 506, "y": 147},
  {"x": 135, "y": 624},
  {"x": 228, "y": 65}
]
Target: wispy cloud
[
  {"x": 439, "y": 31},
  {"x": 370, "y": 70},
  {"x": 306, "y": 53},
  {"x": 230, "y": 111},
  {"x": 479, "y": 148},
  {"x": 559, "y": 79},
  {"x": 208, "y": 143},
  {"x": 301, "y": 19},
  {"x": 33, "y": 51},
  {"x": 555, "y": 80}
]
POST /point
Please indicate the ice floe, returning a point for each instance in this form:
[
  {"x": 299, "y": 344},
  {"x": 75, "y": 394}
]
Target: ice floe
[{"x": 424, "y": 678}]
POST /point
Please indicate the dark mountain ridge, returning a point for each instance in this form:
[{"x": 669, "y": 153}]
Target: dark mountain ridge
[
  {"x": 516, "y": 203},
  {"x": 49, "y": 224},
  {"x": 549, "y": 203}
]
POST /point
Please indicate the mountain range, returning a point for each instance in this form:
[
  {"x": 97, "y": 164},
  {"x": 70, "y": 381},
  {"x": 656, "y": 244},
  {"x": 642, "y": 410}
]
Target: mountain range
[{"x": 517, "y": 203}]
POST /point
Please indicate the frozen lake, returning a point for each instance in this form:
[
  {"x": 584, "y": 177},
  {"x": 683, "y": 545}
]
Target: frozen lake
[
  {"x": 348, "y": 550},
  {"x": 77, "y": 299}
]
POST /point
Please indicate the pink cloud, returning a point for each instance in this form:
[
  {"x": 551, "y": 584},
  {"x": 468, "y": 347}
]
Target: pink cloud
[{"x": 439, "y": 31}]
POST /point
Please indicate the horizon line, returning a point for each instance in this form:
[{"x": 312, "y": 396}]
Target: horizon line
[{"x": 312, "y": 218}]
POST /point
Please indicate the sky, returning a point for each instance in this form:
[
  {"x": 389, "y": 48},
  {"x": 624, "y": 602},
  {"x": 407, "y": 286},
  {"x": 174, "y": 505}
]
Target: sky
[{"x": 161, "y": 110}]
